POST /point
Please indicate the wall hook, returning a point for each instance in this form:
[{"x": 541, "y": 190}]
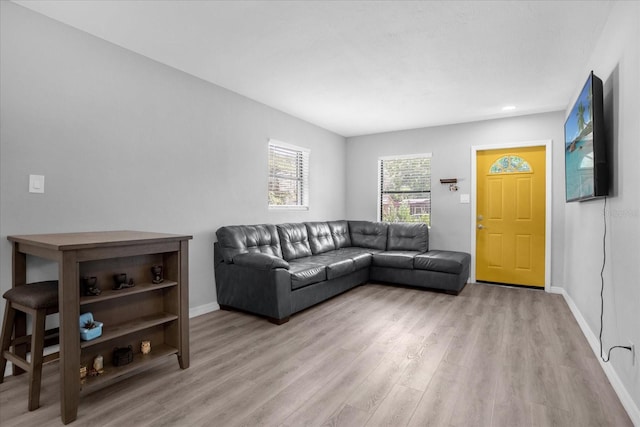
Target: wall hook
[{"x": 452, "y": 183}]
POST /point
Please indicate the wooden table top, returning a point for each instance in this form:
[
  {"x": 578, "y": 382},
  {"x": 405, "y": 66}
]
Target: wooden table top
[{"x": 93, "y": 239}]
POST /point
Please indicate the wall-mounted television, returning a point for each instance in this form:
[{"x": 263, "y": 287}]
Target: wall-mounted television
[{"x": 585, "y": 165}]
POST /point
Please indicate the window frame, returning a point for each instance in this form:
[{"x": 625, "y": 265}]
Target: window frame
[
  {"x": 302, "y": 164},
  {"x": 381, "y": 159}
]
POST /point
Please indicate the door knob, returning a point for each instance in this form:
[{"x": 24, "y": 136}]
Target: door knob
[{"x": 480, "y": 227}]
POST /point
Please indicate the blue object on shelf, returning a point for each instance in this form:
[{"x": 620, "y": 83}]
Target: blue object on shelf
[{"x": 89, "y": 334}]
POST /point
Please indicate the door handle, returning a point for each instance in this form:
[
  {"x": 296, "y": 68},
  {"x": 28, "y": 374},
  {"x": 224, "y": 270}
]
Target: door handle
[{"x": 480, "y": 226}]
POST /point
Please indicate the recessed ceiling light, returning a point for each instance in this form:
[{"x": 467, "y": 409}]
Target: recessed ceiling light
[{"x": 508, "y": 108}]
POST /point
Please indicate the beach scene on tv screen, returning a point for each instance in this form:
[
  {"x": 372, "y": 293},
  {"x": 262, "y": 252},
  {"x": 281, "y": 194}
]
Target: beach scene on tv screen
[{"x": 578, "y": 134}]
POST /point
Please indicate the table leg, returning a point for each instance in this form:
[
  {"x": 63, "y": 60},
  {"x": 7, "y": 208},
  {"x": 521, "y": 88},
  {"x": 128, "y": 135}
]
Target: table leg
[
  {"x": 19, "y": 278},
  {"x": 183, "y": 353},
  {"x": 68, "y": 302}
]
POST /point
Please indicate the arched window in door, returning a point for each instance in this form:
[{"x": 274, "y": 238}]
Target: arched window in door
[{"x": 510, "y": 164}]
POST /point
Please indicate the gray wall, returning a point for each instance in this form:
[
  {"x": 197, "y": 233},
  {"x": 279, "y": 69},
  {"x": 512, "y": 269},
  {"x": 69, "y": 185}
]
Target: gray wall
[
  {"x": 616, "y": 60},
  {"x": 451, "y": 158},
  {"x": 127, "y": 143}
]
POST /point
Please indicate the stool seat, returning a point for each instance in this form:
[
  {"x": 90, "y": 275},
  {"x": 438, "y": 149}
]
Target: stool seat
[{"x": 36, "y": 295}]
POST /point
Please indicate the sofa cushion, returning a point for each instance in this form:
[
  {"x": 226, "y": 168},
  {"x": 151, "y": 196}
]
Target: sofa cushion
[
  {"x": 442, "y": 261},
  {"x": 320, "y": 238},
  {"x": 340, "y": 233},
  {"x": 340, "y": 267},
  {"x": 304, "y": 273},
  {"x": 395, "y": 259},
  {"x": 408, "y": 236},
  {"x": 240, "y": 239},
  {"x": 367, "y": 234},
  {"x": 337, "y": 266},
  {"x": 361, "y": 256},
  {"x": 294, "y": 241}
]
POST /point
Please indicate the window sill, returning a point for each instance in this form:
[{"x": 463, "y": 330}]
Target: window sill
[{"x": 288, "y": 208}]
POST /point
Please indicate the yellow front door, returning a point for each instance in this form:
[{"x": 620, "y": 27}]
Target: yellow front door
[{"x": 510, "y": 217}]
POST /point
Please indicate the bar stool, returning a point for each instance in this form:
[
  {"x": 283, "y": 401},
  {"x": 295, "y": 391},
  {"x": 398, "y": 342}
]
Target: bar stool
[{"x": 38, "y": 300}]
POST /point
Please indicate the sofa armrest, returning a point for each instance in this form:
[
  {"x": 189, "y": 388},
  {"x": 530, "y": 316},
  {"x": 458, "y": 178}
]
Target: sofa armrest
[
  {"x": 262, "y": 292},
  {"x": 260, "y": 261}
]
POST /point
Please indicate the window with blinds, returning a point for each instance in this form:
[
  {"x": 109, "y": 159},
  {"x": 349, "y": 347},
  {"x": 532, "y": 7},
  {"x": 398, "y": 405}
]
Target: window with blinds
[
  {"x": 288, "y": 176},
  {"x": 405, "y": 188}
]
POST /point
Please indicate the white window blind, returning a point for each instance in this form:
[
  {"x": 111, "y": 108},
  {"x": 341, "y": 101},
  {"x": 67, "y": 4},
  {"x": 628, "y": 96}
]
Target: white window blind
[
  {"x": 288, "y": 176},
  {"x": 405, "y": 188}
]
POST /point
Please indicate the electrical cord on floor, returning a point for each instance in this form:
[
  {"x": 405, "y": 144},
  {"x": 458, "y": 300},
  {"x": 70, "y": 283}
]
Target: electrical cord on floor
[{"x": 604, "y": 262}]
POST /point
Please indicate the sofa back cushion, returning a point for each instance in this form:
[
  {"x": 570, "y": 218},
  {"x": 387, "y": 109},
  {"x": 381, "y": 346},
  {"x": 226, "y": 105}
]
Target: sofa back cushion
[
  {"x": 408, "y": 236},
  {"x": 294, "y": 240},
  {"x": 241, "y": 239},
  {"x": 367, "y": 234},
  {"x": 320, "y": 239},
  {"x": 340, "y": 234}
]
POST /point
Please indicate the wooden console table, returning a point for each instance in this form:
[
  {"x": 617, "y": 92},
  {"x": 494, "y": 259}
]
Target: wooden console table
[{"x": 156, "y": 312}]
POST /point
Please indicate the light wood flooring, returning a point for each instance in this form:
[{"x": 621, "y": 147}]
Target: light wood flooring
[{"x": 376, "y": 355}]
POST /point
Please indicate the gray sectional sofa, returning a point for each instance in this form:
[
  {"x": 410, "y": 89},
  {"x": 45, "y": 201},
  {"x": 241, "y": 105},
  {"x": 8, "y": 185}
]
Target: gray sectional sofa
[{"x": 277, "y": 270}]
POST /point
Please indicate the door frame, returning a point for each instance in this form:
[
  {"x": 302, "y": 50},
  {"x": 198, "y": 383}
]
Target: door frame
[{"x": 548, "y": 199}]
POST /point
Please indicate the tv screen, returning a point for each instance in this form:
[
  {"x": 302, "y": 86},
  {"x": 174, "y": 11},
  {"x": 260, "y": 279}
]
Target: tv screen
[{"x": 586, "y": 172}]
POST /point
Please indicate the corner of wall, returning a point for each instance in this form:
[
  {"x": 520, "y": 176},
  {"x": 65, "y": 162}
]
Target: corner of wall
[{"x": 203, "y": 309}]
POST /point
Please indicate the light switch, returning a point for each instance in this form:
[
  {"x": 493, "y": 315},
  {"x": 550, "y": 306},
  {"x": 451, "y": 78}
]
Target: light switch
[
  {"x": 464, "y": 198},
  {"x": 36, "y": 183}
]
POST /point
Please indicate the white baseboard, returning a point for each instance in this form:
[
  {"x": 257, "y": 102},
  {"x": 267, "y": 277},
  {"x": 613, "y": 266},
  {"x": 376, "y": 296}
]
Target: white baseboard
[
  {"x": 203, "y": 309},
  {"x": 556, "y": 290},
  {"x": 623, "y": 394},
  {"x": 193, "y": 312}
]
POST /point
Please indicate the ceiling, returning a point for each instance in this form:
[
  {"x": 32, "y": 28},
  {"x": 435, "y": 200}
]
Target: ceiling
[{"x": 362, "y": 67}]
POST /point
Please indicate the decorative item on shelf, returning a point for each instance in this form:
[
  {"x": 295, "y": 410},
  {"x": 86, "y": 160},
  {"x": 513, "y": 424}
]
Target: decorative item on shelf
[
  {"x": 83, "y": 374},
  {"x": 120, "y": 282},
  {"x": 122, "y": 356},
  {"x": 90, "y": 286},
  {"x": 452, "y": 183},
  {"x": 89, "y": 328},
  {"x": 98, "y": 364},
  {"x": 156, "y": 271},
  {"x": 145, "y": 347}
]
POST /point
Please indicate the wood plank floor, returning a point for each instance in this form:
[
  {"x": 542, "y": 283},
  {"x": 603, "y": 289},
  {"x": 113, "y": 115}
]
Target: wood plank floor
[{"x": 376, "y": 355}]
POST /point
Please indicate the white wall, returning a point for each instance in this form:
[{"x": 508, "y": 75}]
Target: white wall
[
  {"x": 615, "y": 60},
  {"x": 127, "y": 143},
  {"x": 451, "y": 149}
]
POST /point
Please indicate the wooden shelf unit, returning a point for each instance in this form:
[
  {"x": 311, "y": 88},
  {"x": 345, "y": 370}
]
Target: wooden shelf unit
[
  {"x": 121, "y": 330},
  {"x": 141, "y": 362},
  {"x": 109, "y": 293},
  {"x": 147, "y": 311}
]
